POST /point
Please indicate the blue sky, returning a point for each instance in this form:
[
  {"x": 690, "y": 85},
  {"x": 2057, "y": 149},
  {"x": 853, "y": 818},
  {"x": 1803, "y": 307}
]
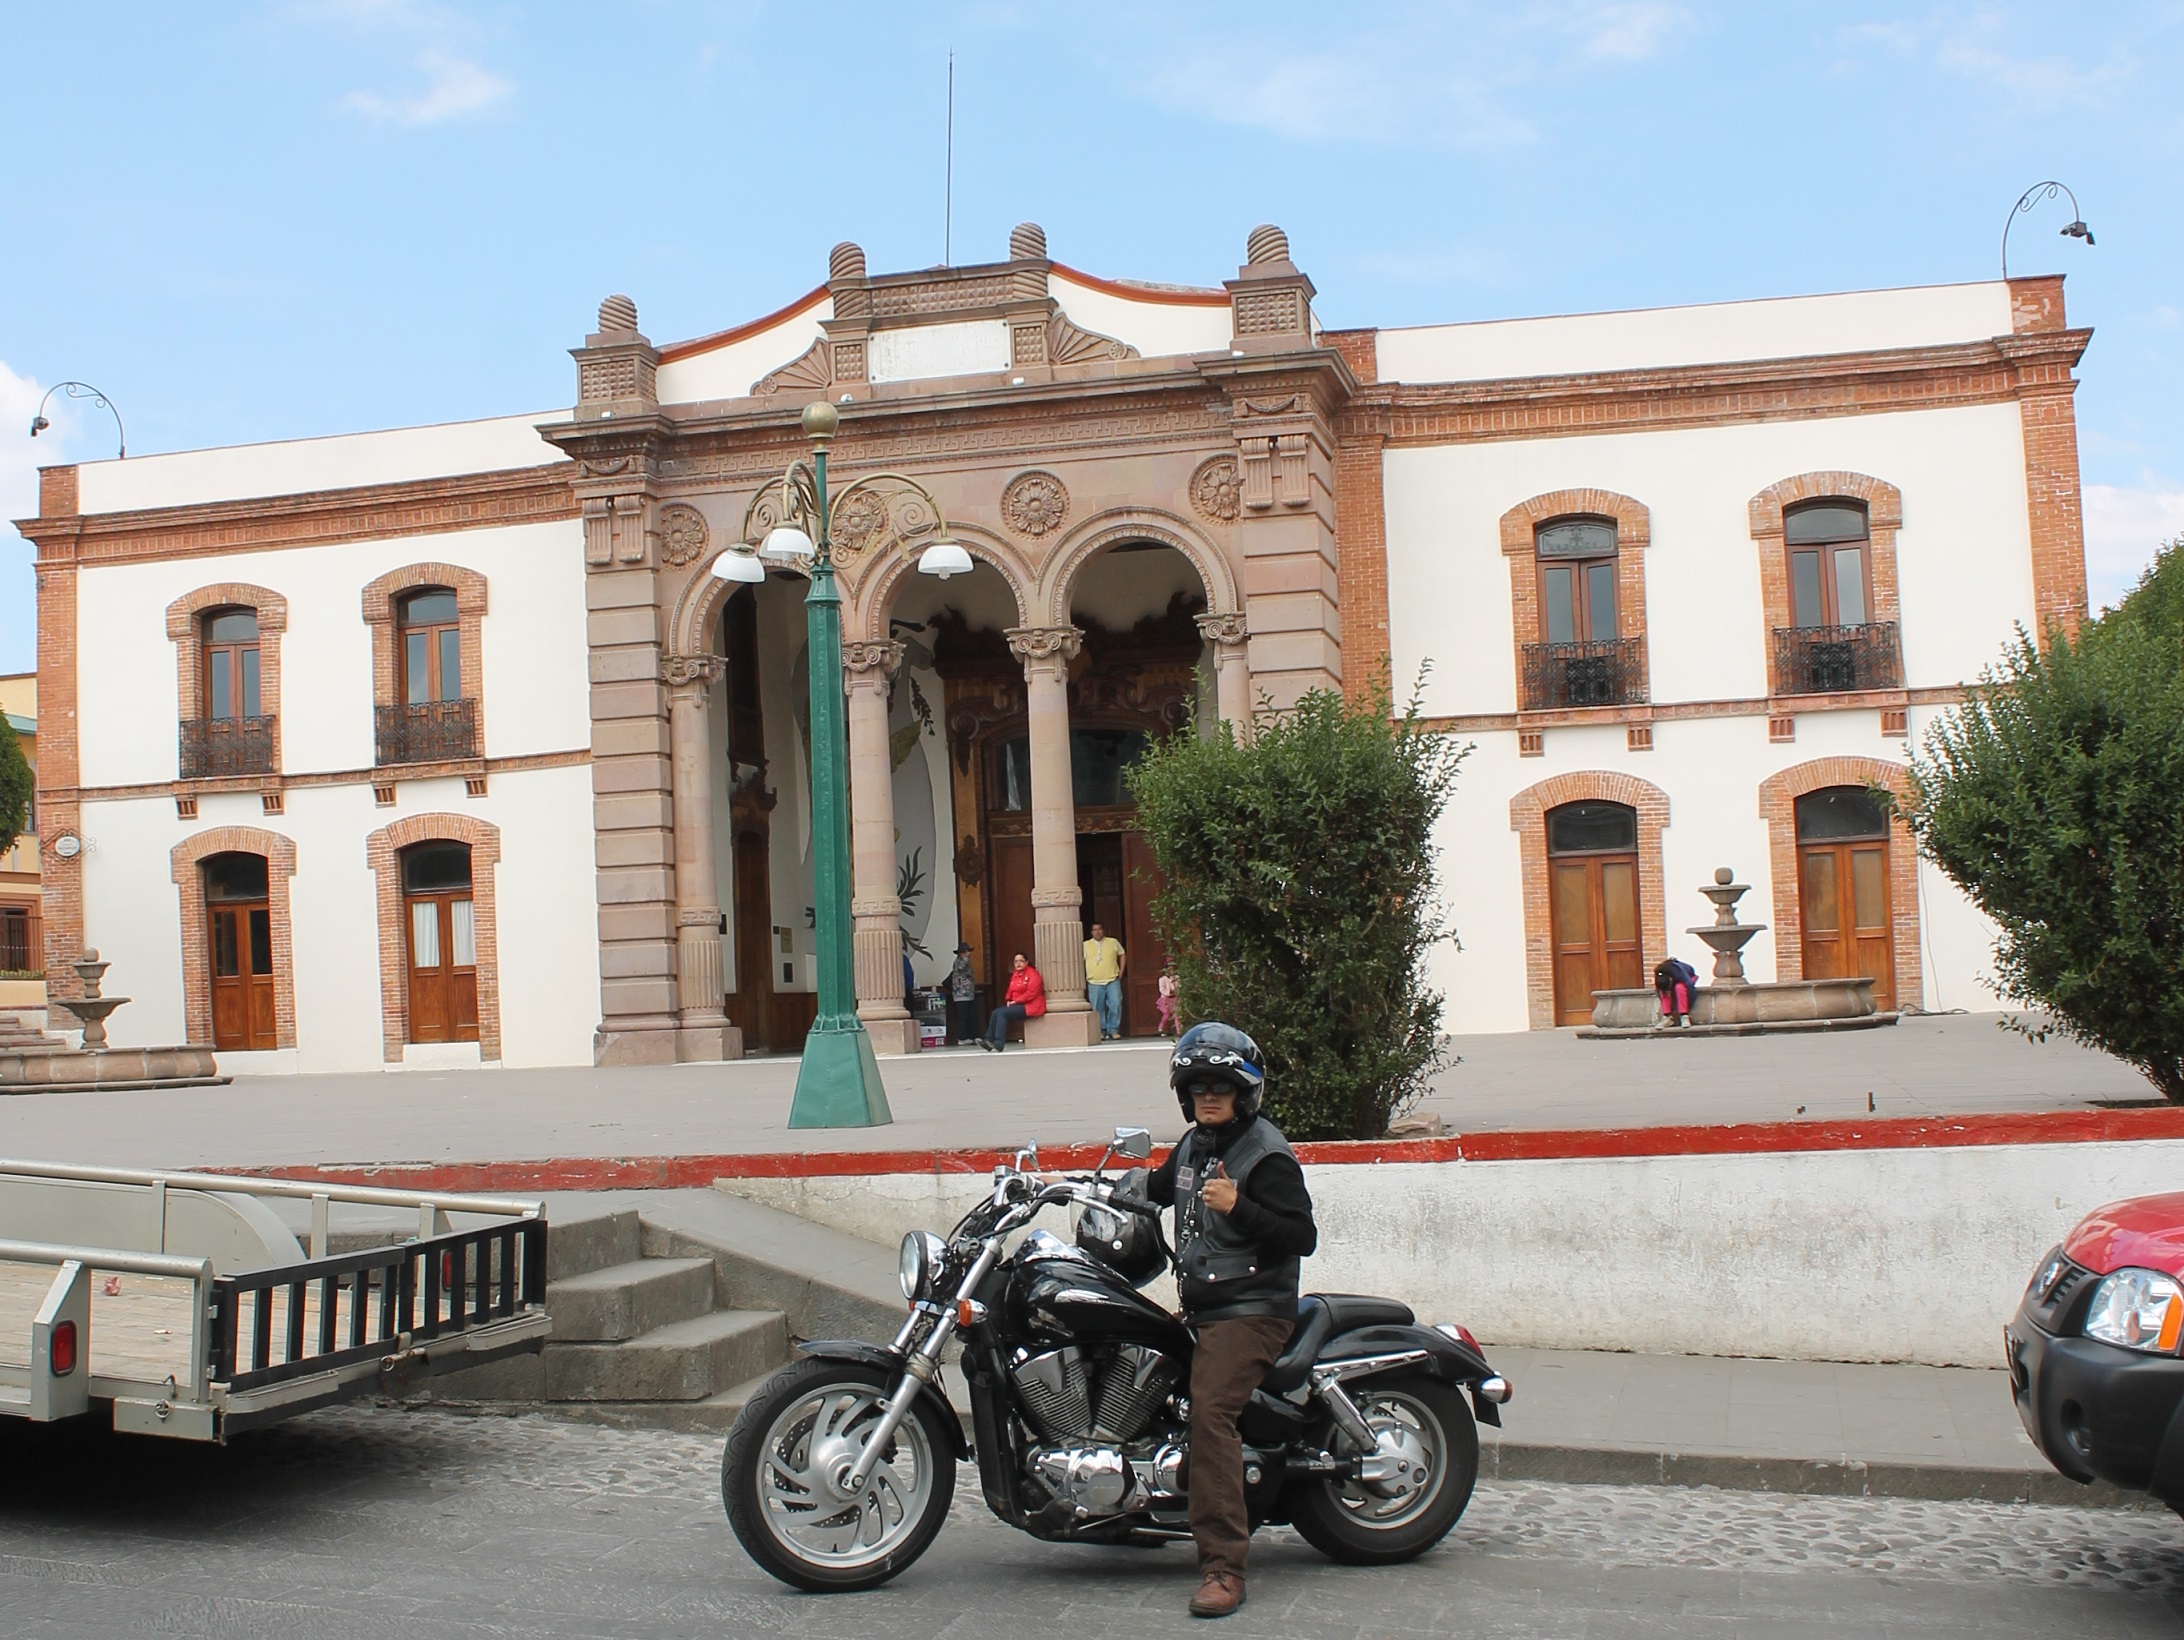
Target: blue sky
[{"x": 261, "y": 221}]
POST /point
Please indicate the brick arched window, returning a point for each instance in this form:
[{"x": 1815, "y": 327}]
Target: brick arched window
[
  {"x": 1577, "y": 586},
  {"x": 384, "y": 849},
  {"x": 428, "y": 674},
  {"x": 186, "y": 862},
  {"x": 227, "y": 640},
  {"x": 1528, "y": 812},
  {"x": 1827, "y": 578},
  {"x": 1791, "y": 889}
]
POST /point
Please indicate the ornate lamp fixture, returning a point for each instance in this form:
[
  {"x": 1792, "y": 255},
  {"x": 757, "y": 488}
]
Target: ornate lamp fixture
[
  {"x": 2075, "y": 229},
  {"x": 82, "y": 390}
]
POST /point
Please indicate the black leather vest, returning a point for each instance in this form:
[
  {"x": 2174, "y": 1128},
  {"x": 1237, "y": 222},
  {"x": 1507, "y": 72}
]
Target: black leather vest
[{"x": 1220, "y": 1273}]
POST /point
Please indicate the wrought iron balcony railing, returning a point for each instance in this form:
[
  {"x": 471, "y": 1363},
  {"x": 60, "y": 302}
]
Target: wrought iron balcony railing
[
  {"x": 1610, "y": 672},
  {"x": 212, "y": 747},
  {"x": 433, "y": 731},
  {"x": 1828, "y": 660}
]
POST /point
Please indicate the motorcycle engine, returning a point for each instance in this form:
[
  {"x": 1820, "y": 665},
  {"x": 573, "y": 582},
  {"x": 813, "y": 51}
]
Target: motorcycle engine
[{"x": 1096, "y": 1464}]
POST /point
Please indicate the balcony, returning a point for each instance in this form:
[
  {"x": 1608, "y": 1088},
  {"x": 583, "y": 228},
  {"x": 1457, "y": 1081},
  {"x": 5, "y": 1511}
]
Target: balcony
[
  {"x": 430, "y": 731},
  {"x": 216, "y": 747},
  {"x": 1558, "y": 676},
  {"x": 1831, "y": 660}
]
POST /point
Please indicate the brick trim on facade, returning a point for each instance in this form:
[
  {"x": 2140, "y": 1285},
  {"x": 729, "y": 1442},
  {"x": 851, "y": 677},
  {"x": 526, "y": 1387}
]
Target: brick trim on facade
[
  {"x": 2053, "y": 505},
  {"x": 1778, "y": 795},
  {"x": 60, "y": 881},
  {"x": 1528, "y": 819},
  {"x": 1633, "y": 534},
  {"x": 186, "y": 627},
  {"x": 383, "y": 851},
  {"x": 280, "y": 864},
  {"x": 1884, "y": 517},
  {"x": 382, "y": 598}
]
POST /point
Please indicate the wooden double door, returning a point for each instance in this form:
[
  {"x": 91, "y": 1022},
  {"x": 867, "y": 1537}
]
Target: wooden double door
[
  {"x": 1592, "y": 896},
  {"x": 242, "y": 975},
  {"x": 1118, "y": 877},
  {"x": 442, "y": 938},
  {"x": 1845, "y": 909}
]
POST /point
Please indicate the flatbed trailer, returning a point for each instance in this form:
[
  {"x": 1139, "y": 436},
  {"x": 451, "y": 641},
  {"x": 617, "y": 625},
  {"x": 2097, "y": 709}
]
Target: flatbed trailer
[{"x": 258, "y": 1325}]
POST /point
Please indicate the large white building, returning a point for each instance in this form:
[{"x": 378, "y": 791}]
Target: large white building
[{"x": 443, "y": 744}]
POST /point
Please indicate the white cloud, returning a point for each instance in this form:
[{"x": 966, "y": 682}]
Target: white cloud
[
  {"x": 20, "y": 459},
  {"x": 1630, "y": 32},
  {"x": 2123, "y": 526},
  {"x": 454, "y": 87}
]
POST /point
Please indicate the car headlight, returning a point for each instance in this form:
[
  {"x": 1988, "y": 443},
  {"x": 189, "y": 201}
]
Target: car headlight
[
  {"x": 919, "y": 1266},
  {"x": 2139, "y": 1309}
]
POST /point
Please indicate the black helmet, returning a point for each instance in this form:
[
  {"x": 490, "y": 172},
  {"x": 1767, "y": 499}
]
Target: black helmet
[
  {"x": 1214, "y": 1052},
  {"x": 1127, "y": 1243}
]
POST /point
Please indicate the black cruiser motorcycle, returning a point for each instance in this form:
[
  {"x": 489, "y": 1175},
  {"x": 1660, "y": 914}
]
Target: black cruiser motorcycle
[{"x": 839, "y": 1473}]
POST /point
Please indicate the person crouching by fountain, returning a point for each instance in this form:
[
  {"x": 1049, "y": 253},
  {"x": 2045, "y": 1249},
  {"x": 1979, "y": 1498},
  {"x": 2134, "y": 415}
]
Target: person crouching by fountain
[{"x": 1672, "y": 984}]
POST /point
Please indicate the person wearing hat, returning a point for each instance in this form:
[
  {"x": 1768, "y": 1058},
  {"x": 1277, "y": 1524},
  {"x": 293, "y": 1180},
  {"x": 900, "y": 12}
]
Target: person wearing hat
[{"x": 963, "y": 996}]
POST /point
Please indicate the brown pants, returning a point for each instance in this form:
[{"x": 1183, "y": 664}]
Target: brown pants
[{"x": 1231, "y": 1360}]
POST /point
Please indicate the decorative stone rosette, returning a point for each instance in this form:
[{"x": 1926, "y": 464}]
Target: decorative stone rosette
[
  {"x": 1034, "y": 504},
  {"x": 1217, "y": 489},
  {"x": 683, "y": 534}
]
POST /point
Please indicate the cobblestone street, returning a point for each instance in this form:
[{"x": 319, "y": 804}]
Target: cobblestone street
[{"x": 375, "y": 1522}]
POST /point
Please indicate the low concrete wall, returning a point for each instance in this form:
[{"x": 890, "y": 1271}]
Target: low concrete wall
[{"x": 1831, "y": 1255}]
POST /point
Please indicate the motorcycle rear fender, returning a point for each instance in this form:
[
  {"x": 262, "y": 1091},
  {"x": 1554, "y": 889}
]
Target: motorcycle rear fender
[
  {"x": 1447, "y": 1359},
  {"x": 879, "y": 1355}
]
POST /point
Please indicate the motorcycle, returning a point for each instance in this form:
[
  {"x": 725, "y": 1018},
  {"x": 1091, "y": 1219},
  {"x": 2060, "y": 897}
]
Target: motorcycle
[{"x": 839, "y": 1473}]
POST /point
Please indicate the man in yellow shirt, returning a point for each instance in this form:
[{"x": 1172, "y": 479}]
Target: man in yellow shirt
[{"x": 1104, "y": 961}]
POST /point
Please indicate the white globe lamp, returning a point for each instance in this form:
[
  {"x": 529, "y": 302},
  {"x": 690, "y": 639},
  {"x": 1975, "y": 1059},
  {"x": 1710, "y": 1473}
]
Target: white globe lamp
[
  {"x": 943, "y": 559},
  {"x": 737, "y": 564},
  {"x": 786, "y": 544}
]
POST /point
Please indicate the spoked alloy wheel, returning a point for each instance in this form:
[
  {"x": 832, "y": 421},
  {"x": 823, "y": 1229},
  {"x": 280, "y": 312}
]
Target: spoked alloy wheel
[
  {"x": 1414, "y": 1488},
  {"x": 784, "y": 1471}
]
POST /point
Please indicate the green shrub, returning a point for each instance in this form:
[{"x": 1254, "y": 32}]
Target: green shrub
[
  {"x": 2055, "y": 799},
  {"x": 1300, "y": 901},
  {"x": 17, "y": 784}
]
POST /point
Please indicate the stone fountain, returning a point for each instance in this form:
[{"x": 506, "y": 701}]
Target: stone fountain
[
  {"x": 1733, "y": 1005},
  {"x": 49, "y": 1065}
]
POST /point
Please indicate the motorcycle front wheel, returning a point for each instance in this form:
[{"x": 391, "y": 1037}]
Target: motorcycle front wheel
[
  {"x": 780, "y": 1479},
  {"x": 1430, "y": 1448}
]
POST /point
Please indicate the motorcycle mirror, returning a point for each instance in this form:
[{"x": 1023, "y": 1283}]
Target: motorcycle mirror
[{"x": 1135, "y": 1143}]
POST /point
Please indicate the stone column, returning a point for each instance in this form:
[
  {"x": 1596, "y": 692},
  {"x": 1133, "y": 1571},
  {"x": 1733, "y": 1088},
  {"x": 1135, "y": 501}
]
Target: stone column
[
  {"x": 1231, "y": 668},
  {"x": 1057, "y": 929},
  {"x": 702, "y": 1030},
  {"x": 870, "y": 667}
]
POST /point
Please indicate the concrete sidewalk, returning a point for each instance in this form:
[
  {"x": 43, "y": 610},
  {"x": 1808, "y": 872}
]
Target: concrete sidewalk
[{"x": 1936, "y": 1065}]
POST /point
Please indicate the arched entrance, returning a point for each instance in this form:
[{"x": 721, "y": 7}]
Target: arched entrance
[
  {"x": 1843, "y": 889},
  {"x": 440, "y": 942},
  {"x": 1592, "y": 868}
]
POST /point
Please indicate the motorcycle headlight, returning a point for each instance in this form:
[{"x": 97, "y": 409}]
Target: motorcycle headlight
[
  {"x": 919, "y": 1266},
  {"x": 2139, "y": 1309}
]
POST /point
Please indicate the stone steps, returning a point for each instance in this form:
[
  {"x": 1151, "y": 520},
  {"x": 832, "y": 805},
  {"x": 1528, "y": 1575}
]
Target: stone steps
[
  {"x": 622, "y": 1301},
  {"x": 682, "y": 1361}
]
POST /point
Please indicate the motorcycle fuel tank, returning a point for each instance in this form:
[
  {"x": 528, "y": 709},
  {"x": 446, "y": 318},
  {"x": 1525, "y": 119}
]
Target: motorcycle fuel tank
[{"x": 1057, "y": 1292}]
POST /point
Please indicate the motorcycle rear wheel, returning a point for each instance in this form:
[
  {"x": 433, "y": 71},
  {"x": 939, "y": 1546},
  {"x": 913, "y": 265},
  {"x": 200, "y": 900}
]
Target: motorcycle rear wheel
[
  {"x": 774, "y": 1479},
  {"x": 1433, "y": 1430}
]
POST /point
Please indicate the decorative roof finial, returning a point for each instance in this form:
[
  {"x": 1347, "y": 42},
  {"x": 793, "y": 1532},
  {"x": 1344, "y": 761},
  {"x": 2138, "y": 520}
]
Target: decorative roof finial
[
  {"x": 1266, "y": 244},
  {"x": 1027, "y": 243},
  {"x": 617, "y": 312},
  {"x": 845, "y": 261}
]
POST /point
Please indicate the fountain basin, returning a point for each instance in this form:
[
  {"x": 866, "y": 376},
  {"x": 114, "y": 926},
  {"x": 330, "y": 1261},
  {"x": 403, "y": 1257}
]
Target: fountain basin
[
  {"x": 1745, "y": 1010},
  {"x": 61, "y": 1069}
]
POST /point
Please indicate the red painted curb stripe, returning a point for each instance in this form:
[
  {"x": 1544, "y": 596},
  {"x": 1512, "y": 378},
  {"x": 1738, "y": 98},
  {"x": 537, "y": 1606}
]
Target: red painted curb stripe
[{"x": 1752, "y": 1138}]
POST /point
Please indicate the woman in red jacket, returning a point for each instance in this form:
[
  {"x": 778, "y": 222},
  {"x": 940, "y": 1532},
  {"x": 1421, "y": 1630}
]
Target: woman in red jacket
[{"x": 1026, "y": 999}]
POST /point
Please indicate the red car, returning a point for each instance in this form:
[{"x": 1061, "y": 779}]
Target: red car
[{"x": 2094, "y": 1352}]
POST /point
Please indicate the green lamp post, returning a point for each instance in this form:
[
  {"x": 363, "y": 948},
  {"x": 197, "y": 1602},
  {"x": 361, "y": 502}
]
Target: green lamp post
[{"x": 838, "y": 1083}]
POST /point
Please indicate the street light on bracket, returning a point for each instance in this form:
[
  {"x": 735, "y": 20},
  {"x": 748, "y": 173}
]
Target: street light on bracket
[
  {"x": 793, "y": 519},
  {"x": 2039, "y": 191},
  {"x": 82, "y": 390}
]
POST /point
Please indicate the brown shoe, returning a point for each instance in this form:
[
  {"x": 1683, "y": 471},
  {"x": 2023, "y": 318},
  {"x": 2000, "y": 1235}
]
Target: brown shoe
[{"x": 1219, "y": 1595}]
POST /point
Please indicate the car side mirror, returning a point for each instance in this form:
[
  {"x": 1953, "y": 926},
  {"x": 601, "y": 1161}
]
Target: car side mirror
[{"x": 1134, "y": 1142}]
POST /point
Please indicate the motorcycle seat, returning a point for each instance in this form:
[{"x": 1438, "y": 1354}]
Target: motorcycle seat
[{"x": 1320, "y": 1316}]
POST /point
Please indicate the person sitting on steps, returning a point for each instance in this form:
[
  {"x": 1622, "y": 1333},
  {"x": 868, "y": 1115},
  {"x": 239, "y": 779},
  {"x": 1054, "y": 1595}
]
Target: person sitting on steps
[{"x": 1025, "y": 999}]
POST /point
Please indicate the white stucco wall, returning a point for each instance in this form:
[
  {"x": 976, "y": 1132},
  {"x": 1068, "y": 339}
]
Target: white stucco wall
[
  {"x": 533, "y": 645},
  {"x": 1781, "y": 328},
  {"x": 1156, "y": 329},
  {"x": 1842, "y": 1255},
  {"x": 295, "y": 466},
  {"x": 543, "y": 886},
  {"x": 1964, "y": 554},
  {"x": 730, "y": 370}
]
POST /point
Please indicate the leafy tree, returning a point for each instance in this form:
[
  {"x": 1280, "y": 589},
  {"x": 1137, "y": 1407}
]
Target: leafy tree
[
  {"x": 1300, "y": 900},
  {"x": 2055, "y": 799},
  {"x": 17, "y": 784}
]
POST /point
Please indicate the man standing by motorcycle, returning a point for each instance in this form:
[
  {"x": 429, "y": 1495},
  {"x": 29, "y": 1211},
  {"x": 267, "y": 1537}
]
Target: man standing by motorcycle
[{"x": 1243, "y": 1221}]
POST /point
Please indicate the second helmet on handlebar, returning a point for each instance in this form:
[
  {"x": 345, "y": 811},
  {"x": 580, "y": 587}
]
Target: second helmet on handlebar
[{"x": 1127, "y": 1243}]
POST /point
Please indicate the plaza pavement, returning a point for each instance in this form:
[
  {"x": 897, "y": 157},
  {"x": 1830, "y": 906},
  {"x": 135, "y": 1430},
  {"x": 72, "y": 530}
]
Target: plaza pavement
[{"x": 1934, "y": 1065}]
